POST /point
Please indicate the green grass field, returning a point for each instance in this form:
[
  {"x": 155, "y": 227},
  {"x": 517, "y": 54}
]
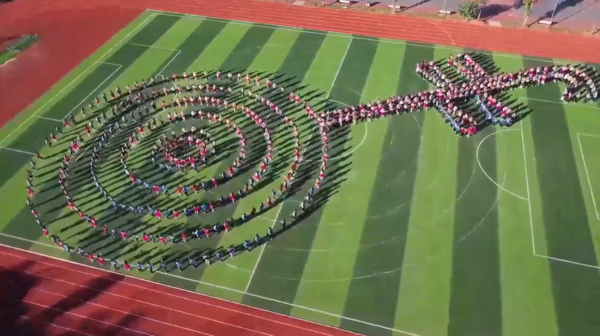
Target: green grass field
[{"x": 423, "y": 233}]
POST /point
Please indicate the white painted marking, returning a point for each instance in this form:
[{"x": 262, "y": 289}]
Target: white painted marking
[
  {"x": 350, "y": 152},
  {"x": 263, "y": 248},
  {"x": 486, "y": 174},
  {"x": 150, "y": 46},
  {"x": 528, "y": 192},
  {"x": 567, "y": 261},
  {"x": 169, "y": 63},
  {"x": 49, "y": 119},
  {"x": 34, "y": 114},
  {"x": 337, "y": 73},
  {"x": 443, "y": 30},
  {"x": 17, "y": 150},
  {"x": 266, "y": 218},
  {"x": 582, "y": 105},
  {"x": 531, "y": 216},
  {"x": 94, "y": 90},
  {"x": 587, "y": 174}
]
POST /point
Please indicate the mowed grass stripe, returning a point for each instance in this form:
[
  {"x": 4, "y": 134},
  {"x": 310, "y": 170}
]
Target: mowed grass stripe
[
  {"x": 377, "y": 267},
  {"x": 475, "y": 301},
  {"x": 239, "y": 60},
  {"x": 283, "y": 263},
  {"x": 299, "y": 50},
  {"x": 576, "y": 289},
  {"x": 424, "y": 292},
  {"x": 50, "y": 203},
  {"x": 527, "y": 303},
  {"x": 330, "y": 264}
]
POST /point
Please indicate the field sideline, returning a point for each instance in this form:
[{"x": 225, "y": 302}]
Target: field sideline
[{"x": 423, "y": 233}]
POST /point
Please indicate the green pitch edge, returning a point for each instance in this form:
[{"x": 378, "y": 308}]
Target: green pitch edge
[
  {"x": 51, "y": 205},
  {"x": 475, "y": 300},
  {"x": 424, "y": 293},
  {"x": 576, "y": 288},
  {"x": 330, "y": 266},
  {"x": 377, "y": 275},
  {"x": 527, "y": 301},
  {"x": 280, "y": 270}
]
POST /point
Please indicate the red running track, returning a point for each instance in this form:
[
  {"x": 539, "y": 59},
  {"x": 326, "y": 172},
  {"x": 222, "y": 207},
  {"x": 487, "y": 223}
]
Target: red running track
[{"x": 47, "y": 296}]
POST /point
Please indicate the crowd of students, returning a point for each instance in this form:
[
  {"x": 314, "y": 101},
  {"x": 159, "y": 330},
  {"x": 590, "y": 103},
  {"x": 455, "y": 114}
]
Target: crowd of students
[
  {"x": 140, "y": 104},
  {"x": 451, "y": 98},
  {"x": 454, "y": 99}
]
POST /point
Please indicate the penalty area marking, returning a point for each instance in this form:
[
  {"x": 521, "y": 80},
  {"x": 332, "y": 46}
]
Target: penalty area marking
[
  {"x": 16, "y": 150},
  {"x": 49, "y": 119},
  {"x": 78, "y": 266},
  {"x": 532, "y": 231},
  {"x": 34, "y": 114},
  {"x": 118, "y": 67},
  {"x": 587, "y": 174}
]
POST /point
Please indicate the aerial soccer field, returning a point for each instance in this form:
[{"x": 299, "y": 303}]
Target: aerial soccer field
[{"x": 416, "y": 231}]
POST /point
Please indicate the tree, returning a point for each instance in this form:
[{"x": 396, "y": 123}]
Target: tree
[
  {"x": 482, "y": 3},
  {"x": 470, "y": 9},
  {"x": 527, "y": 6}
]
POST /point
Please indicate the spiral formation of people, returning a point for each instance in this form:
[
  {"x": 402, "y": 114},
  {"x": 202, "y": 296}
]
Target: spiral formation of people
[{"x": 179, "y": 118}]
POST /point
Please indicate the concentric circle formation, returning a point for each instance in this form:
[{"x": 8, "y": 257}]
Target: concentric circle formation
[{"x": 167, "y": 153}]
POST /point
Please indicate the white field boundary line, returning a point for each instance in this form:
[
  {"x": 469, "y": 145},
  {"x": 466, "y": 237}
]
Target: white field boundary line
[
  {"x": 528, "y": 191},
  {"x": 365, "y": 38},
  {"x": 587, "y": 174},
  {"x": 16, "y": 150},
  {"x": 169, "y": 62},
  {"x": 531, "y": 214},
  {"x": 78, "y": 266},
  {"x": 561, "y": 103},
  {"x": 160, "y": 73},
  {"x": 118, "y": 67},
  {"x": 34, "y": 114},
  {"x": 263, "y": 248},
  {"x": 49, "y": 119},
  {"x": 150, "y": 46},
  {"x": 105, "y": 308}
]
